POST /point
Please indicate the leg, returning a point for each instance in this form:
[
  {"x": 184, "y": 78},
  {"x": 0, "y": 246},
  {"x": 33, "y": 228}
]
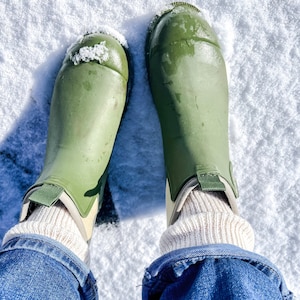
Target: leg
[
  {"x": 219, "y": 271},
  {"x": 206, "y": 243},
  {"x": 45, "y": 255},
  {"x": 36, "y": 267}
]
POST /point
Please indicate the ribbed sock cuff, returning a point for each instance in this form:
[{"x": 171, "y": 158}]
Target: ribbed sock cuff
[
  {"x": 56, "y": 223},
  {"x": 206, "y": 218}
]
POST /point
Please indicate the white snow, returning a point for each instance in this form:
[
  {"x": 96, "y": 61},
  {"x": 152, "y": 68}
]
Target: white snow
[
  {"x": 98, "y": 52},
  {"x": 260, "y": 41}
]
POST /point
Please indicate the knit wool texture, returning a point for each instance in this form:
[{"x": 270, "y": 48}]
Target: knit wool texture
[
  {"x": 206, "y": 218},
  {"x": 56, "y": 223}
]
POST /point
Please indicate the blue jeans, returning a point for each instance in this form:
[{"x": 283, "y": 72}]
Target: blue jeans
[
  {"x": 36, "y": 267},
  {"x": 218, "y": 272}
]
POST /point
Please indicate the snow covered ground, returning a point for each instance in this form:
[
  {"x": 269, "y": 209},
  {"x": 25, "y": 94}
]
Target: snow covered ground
[{"x": 260, "y": 40}]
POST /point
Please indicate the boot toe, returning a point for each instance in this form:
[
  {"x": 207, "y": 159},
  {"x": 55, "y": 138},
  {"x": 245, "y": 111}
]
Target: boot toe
[
  {"x": 101, "y": 49},
  {"x": 187, "y": 24}
]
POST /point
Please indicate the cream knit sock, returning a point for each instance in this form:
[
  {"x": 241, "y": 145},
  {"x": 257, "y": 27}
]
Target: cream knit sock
[
  {"x": 56, "y": 223},
  {"x": 206, "y": 218}
]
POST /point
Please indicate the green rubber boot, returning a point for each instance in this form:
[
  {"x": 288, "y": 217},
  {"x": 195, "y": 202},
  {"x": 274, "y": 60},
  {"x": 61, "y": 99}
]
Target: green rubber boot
[
  {"x": 188, "y": 81},
  {"x": 86, "y": 109}
]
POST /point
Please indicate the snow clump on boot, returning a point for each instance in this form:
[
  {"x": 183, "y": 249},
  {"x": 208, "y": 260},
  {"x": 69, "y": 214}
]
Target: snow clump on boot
[{"x": 98, "y": 52}]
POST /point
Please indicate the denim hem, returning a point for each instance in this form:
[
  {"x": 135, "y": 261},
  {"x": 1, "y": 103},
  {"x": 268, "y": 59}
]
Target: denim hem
[
  {"x": 179, "y": 260},
  {"x": 56, "y": 251}
]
